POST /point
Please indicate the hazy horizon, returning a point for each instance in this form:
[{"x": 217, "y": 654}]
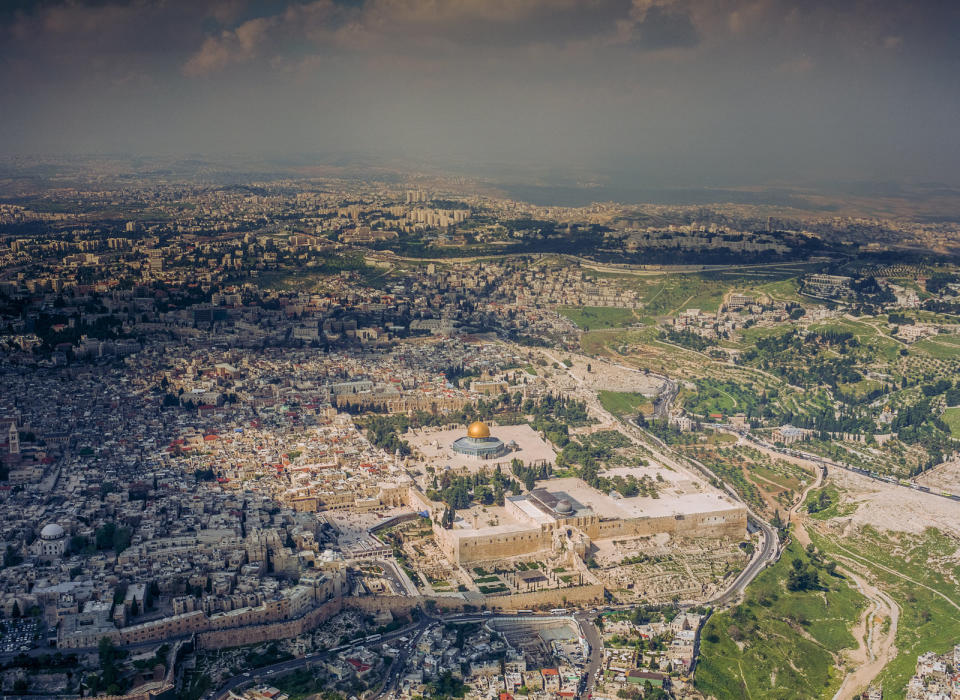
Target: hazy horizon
[{"x": 649, "y": 93}]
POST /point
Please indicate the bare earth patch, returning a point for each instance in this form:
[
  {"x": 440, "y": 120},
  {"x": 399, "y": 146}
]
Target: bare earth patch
[
  {"x": 943, "y": 477},
  {"x": 888, "y": 507}
]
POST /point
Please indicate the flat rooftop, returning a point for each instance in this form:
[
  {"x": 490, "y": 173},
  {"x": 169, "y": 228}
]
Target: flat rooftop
[{"x": 680, "y": 499}]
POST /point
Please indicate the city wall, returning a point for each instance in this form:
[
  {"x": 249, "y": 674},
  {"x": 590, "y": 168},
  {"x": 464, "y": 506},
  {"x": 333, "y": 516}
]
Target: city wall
[
  {"x": 255, "y": 634},
  {"x": 718, "y": 524},
  {"x": 557, "y": 597},
  {"x": 462, "y": 547},
  {"x": 402, "y": 605}
]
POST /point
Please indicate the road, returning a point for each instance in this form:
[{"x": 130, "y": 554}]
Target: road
[
  {"x": 282, "y": 668},
  {"x": 770, "y": 546},
  {"x": 824, "y": 462},
  {"x": 399, "y": 580},
  {"x": 664, "y": 400},
  {"x": 586, "y": 623}
]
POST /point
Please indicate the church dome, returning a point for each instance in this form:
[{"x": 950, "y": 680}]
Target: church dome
[
  {"x": 52, "y": 532},
  {"x": 478, "y": 429}
]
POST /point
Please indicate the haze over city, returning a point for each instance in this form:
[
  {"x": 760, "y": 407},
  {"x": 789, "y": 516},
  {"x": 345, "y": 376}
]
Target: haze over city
[{"x": 656, "y": 93}]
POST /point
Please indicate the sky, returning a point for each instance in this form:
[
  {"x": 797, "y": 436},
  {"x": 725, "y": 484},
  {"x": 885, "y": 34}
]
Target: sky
[{"x": 671, "y": 92}]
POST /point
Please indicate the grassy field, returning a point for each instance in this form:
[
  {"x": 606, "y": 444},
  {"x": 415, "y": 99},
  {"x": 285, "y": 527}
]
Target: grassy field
[
  {"x": 787, "y": 638},
  {"x": 952, "y": 418},
  {"x": 749, "y": 336},
  {"x": 833, "y": 507},
  {"x": 667, "y": 295},
  {"x": 927, "y": 621},
  {"x": 783, "y": 290},
  {"x": 861, "y": 388},
  {"x": 625, "y": 403},
  {"x": 946, "y": 347},
  {"x": 594, "y": 317},
  {"x": 875, "y": 340}
]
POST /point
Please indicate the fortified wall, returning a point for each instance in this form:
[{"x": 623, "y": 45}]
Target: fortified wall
[{"x": 464, "y": 546}]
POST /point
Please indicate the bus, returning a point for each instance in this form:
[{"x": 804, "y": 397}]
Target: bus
[{"x": 558, "y": 611}]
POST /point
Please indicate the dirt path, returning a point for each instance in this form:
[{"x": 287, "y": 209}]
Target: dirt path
[
  {"x": 857, "y": 559},
  {"x": 799, "y": 529},
  {"x": 876, "y": 642}
]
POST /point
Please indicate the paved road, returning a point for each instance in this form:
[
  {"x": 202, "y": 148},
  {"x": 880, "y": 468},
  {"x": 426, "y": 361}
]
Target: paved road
[
  {"x": 413, "y": 631},
  {"x": 664, "y": 400},
  {"x": 761, "y": 558},
  {"x": 769, "y": 548},
  {"x": 282, "y": 668},
  {"x": 824, "y": 462},
  {"x": 592, "y": 635}
]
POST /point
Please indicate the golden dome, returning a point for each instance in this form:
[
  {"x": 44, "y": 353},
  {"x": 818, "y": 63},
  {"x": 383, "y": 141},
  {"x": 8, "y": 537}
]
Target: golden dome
[{"x": 478, "y": 429}]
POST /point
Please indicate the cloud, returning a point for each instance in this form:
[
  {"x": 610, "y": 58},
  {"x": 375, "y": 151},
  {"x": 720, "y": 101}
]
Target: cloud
[
  {"x": 665, "y": 28},
  {"x": 231, "y": 46}
]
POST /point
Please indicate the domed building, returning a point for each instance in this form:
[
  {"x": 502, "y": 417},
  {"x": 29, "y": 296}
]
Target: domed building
[
  {"x": 51, "y": 543},
  {"x": 479, "y": 443}
]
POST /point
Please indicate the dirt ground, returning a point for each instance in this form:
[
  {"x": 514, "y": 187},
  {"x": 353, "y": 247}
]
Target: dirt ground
[
  {"x": 891, "y": 507},
  {"x": 943, "y": 477}
]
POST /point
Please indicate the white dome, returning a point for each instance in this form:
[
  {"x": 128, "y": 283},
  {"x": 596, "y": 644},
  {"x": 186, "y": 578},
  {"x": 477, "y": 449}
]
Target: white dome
[
  {"x": 564, "y": 506},
  {"x": 52, "y": 532}
]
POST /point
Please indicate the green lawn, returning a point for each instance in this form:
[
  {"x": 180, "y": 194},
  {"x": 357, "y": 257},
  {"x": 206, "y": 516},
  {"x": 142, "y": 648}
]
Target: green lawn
[
  {"x": 832, "y": 507},
  {"x": 593, "y": 317},
  {"x": 784, "y": 290},
  {"x": 861, "y": 388},
  {"x": 952, "y": 418},
  {"x": 786, "y": 638},
  {"x": 942, "y": 347},
  {"x": 623, "y": 403}
]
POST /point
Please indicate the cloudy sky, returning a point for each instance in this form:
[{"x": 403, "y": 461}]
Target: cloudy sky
[{"x": 683, "y": 92}]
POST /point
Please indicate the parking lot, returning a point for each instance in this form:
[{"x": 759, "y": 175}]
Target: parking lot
[{"x": 21, "y": 634}]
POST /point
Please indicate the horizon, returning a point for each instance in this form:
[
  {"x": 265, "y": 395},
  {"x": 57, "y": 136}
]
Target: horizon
[{"x": 653, "y": 93}]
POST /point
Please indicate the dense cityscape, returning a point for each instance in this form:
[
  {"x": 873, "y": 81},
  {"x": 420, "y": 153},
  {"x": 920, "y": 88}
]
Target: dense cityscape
[
  {"x": 479, "y": 350},
  {"x": 396, "y": 441}
]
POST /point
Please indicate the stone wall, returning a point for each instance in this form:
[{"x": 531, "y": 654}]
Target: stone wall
[
  {"x": 463, "y": 546},
  {"x": 714, "y": 524},
  {"x": 255, "y": 634},
  {"x": 402, "y": 605},
  {"x": 555, "y": 598}
]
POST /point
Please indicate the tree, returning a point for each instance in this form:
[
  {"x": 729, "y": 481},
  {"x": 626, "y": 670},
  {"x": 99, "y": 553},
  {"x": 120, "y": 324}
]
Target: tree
[
  {"x": 11, "y": 557},
  {"x": 109, "y": 668},
  {"x": 529, "y": 481},
  {"x": 802, "y": 577},
  {"x": 78, "y": 543}
]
